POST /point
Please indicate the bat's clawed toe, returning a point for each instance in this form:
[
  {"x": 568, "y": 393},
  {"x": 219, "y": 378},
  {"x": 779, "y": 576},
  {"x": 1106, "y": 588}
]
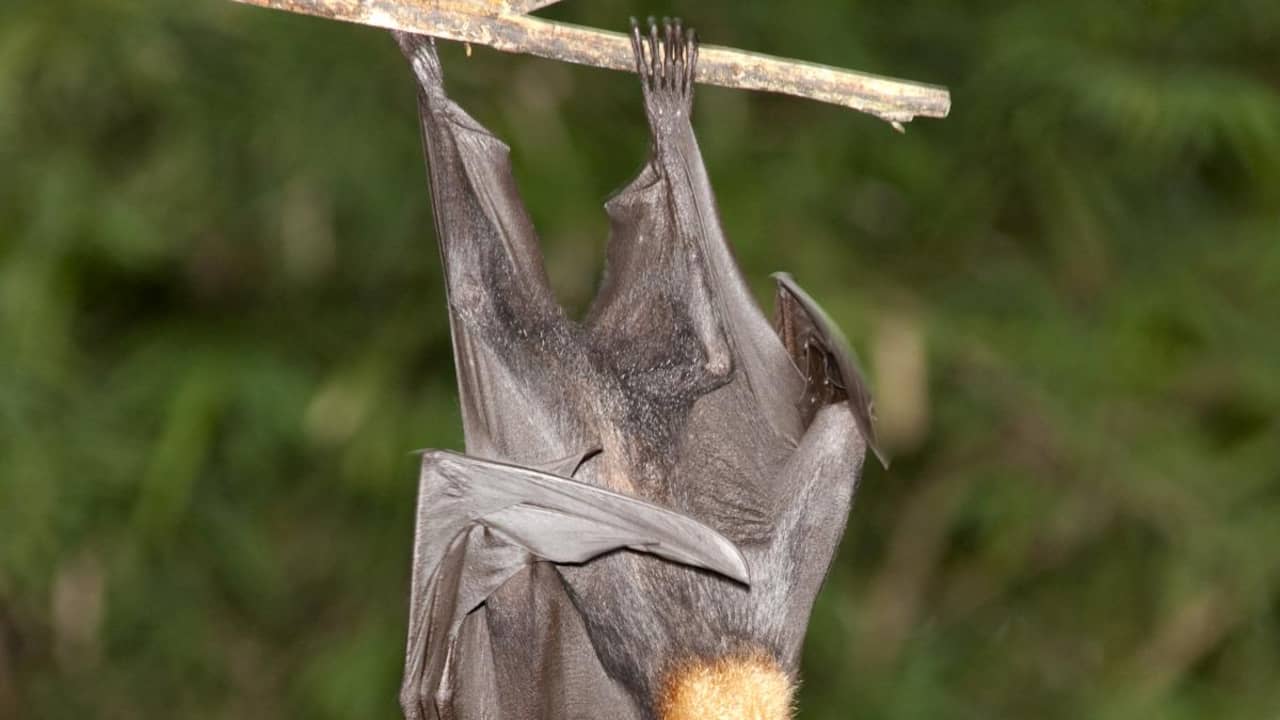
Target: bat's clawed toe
[
  {"x": 665, "y": 60},
  {"x": 420, "y": 51}
]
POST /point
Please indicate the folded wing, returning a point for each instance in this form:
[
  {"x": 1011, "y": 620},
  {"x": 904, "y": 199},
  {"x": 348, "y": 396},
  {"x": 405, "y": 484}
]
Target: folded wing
[{"x": 481, "y": 522}]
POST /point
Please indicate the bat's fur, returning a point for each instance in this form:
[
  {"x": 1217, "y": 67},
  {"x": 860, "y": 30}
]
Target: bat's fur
[
  {"x": 739, "y": 687},
  {"x": 675, "y": 390}
]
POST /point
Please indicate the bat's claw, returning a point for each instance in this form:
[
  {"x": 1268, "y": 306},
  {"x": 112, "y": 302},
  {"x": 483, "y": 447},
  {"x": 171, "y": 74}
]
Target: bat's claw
[
  {"x": 666, "y": 60},
  {"x": 420, "y": 50}
]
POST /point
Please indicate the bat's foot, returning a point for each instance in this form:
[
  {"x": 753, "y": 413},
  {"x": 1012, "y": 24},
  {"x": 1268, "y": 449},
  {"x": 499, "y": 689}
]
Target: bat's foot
[
  {"x": 666, "y": 59},
  {"x": 420, "y": 50}
]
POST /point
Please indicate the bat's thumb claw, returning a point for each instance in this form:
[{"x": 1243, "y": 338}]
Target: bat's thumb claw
[{"x": 712, "y": 551}]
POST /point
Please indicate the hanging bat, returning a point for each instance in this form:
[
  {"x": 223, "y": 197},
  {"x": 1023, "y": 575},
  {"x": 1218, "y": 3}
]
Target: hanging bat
[{"x": 650, "y": 498}]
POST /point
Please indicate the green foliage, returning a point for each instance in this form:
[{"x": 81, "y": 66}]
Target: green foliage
[{"x": 222, "y": 332}]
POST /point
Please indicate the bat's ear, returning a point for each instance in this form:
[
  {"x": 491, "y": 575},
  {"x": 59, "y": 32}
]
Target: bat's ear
[{"x": 825, "y": 358}]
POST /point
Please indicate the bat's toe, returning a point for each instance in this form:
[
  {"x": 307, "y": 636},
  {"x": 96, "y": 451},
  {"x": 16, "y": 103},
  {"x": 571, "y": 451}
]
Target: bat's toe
[{"x": 420, "y": 51}]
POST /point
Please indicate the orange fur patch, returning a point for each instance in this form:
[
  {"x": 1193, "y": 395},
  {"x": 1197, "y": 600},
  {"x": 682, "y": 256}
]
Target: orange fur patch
[{"x": 746, "y": 687}]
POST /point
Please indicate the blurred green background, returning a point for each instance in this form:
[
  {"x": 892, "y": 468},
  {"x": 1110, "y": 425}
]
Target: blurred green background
[{"x": 222, "y": 332}]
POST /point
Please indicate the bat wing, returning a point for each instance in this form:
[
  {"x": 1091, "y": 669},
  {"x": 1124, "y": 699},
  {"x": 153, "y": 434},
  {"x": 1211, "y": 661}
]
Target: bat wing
[
  {"x": 826, "y": 360},
  {"x": 480, "y": 523},
  {"x": 533, "y": 637}
]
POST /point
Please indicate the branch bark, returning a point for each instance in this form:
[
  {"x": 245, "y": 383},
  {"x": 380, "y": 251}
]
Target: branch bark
[{"x": 504, "y": 25}]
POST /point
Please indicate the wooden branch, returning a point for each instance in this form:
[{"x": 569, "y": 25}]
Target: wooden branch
[
  {"x": 521, "y": 7},
  {"x": 505, "y": 25}
]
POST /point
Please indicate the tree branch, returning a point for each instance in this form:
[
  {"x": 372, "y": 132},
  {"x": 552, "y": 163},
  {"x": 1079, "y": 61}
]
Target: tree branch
[
  {"x": 504, "y": 25},
  {"x": 527, "y": 6}
]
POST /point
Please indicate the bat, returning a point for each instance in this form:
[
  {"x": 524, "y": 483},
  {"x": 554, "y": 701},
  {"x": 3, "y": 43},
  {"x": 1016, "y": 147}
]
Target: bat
[{"x": 649, "y": 498}]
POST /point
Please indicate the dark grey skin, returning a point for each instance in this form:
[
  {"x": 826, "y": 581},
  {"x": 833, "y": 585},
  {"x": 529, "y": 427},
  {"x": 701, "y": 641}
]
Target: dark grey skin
[{"x": 663, "y": 482}]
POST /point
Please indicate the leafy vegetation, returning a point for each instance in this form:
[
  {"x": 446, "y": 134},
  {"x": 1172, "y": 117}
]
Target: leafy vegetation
[{"x": 222, "y": 332}]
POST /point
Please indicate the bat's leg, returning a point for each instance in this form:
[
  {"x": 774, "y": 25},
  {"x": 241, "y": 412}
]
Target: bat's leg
[
  {"x": 485, "y": 234},
  {"x": 511, "y": 340},
  {"x": 666, "y": 59},
  {"x": 675, "y": 318}
]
